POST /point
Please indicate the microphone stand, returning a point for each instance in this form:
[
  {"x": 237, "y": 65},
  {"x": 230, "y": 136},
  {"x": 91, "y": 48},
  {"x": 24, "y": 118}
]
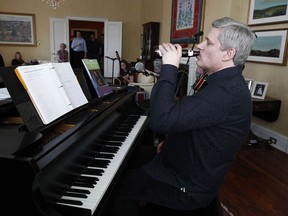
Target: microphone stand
[
  {"x": 187, "y": 64},
  {"x": 113, "y": 60}
]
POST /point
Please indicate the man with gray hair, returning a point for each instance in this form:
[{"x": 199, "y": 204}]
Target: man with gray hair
[{"x": 204, "y": 131}]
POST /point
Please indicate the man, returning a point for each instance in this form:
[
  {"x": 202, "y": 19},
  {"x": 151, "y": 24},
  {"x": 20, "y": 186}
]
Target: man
[
  {"x": 101, "y": 52},
  {"x": 204, "y": 131},
  {"x": 93, "y": 47},
  {"x": 79, "y": 50}
]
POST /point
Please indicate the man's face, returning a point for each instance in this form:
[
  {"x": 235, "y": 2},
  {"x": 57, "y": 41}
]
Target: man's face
[
  {"x": 78, "y": 34},
  {"x": 211, "y": 57}
]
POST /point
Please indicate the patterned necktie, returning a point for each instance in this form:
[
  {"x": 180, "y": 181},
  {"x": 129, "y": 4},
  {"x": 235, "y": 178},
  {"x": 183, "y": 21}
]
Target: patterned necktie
[{"x": 200, "y": 81}]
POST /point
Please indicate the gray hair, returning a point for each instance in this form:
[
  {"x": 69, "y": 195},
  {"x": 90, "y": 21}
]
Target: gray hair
[{"x": 236, "y": 35}]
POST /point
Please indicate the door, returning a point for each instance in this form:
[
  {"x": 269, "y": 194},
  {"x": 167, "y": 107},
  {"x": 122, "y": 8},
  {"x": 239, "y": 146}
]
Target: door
[
  {"x": 112, "y": 43},
  {"x": 58, "y": 35}
]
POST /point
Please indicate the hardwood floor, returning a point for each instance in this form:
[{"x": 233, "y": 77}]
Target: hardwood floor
[{"x": 257, "y": 184}]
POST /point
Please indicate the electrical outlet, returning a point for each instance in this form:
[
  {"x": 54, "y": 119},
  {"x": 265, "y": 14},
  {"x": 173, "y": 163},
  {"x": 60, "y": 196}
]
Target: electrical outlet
[{"x": 273, "y": 140}]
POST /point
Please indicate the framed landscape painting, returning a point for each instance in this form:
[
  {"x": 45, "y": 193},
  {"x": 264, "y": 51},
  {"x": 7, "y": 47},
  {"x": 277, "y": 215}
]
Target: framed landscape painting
[
  {"x": 270, "y": 47},
  {"x": 267, "y": 11},
  {"x": 187, "y": 20},
  {"x": 17, "y": 29}
]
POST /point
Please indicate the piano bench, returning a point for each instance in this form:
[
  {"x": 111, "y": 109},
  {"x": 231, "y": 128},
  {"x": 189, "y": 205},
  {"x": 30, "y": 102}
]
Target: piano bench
[{"x": 213, "y": 209}]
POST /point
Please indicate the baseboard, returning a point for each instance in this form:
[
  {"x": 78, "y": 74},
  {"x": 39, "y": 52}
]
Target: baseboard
[{"x": 264, "y": 133}]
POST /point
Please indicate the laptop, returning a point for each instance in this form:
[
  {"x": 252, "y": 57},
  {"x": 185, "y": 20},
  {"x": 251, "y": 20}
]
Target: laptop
[{"x": 99, "y": 84}]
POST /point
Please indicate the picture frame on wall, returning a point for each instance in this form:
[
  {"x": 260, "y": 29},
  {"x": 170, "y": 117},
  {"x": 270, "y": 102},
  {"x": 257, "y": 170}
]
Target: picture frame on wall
[
  {"x": 267, "y": 12},
  {"x": 17, "y": 29},
  {"x": 270, "y": 47},
  {"x": 259, "y": 90},
  {"x": 249, "y": 83},
  {"x": 187, "y": 20}
]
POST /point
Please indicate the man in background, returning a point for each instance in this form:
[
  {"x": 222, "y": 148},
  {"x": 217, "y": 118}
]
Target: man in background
[
  {"x": 101, "y": 52},
  {"x": 79, "y": 50},
  {"x": 93, "y": 47}
]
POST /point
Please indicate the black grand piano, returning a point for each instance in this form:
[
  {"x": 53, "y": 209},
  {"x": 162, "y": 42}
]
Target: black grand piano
[{"x": 70, "y": 166}]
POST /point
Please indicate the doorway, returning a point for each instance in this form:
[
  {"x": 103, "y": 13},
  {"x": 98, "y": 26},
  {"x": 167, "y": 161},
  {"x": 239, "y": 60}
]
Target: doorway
[
  {"x": 87, "y": 28},
  {"x": 61, "y": 31}
]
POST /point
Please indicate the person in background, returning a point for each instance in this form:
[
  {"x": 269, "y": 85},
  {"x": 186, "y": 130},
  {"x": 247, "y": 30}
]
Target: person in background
[
  {"x": 18, "y": 61},
  {"x": 93, "y": 47},
  {"x": 125, "y": 72},
  {"x": 62, "y": 53},
  {"x": 101, "y": 52},
  {"x": 2, "y": 64},
  {"x": 204, "y": 131},
  {"x": 79, "y": 50},
  {"x": 125, "y": 76}
]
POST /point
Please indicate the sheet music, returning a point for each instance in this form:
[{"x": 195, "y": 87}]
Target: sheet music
[
  {"x": 52, "y": 92},
  {"x": 71, "y": 85},
  {"x": 4, "y": 94}
]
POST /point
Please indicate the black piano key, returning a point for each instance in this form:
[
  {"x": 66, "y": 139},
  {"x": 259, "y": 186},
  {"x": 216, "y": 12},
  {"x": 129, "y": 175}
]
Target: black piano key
[
  {"x": 96, "y": 147},
  {"x": 83, "y": 184},
  {"x": 115, "y": 143},
  {"x": 120, "y": 128},
  {"x": 91, "y": 153},
  {"x": 89, "y": 178},
  {"x": 85, "y": 180},
  {"x": 72, "y": 202},
  {"x": 79, "y": 195},
  {"x": 112, "y": 138},
  {"x": 82, "y": 191},
  {"x": 99, "y": 163},
  {"x": 97, "y": 172},
  {"x": 100, "y": 143},
  {"x": 105, "y": 148},
  {"x": 106, "y": 155},
  {"x": 110, "y": 149},
  {"x": 96, "y": 154},
  {"x": 120, "y": 133}
]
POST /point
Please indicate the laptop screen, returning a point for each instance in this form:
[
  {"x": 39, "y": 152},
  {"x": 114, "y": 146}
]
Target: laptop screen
[{"x": 94, "y": 73}]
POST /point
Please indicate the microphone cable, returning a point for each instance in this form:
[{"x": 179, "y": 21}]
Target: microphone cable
[{"x": 195, "y": 36}]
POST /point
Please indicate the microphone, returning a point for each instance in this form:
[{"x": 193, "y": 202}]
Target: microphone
[
  {"x": 198, "y": 34},
  {"x": 140, "y": 67}
]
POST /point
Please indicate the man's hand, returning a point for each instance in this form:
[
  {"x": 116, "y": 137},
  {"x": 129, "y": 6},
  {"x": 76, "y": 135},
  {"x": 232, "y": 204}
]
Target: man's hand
[{"x": 171, "y": 53}]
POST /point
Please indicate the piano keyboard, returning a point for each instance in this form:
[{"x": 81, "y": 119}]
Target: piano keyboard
[{"x": 88, "y": 190}]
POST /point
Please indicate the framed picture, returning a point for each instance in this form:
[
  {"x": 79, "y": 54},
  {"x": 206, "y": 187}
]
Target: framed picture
[
  {"x": 270, "y": 47},
  {"x": 259, "y": 89},
  {"x": 17, "y": 29},
  {"x": 187, "y": 20},
  {"x": 266, "y": 12},
  {"x": 249, "y": 83}
]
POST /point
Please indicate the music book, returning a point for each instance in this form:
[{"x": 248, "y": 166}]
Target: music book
[
  {"x": 53, "y": 89},
  {"x": 94, "y": 73}
]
